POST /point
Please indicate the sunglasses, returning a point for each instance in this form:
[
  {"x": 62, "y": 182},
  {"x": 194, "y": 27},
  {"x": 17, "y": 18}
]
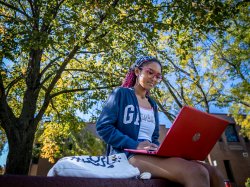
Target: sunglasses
[{"x": 151, "y": 74}]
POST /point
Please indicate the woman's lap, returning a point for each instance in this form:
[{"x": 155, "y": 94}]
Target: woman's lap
[{"x": 174, "y": 169}]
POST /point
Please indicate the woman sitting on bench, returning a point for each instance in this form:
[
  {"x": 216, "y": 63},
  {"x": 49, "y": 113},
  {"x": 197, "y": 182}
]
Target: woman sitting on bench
[{"x": 130, "y": 120}]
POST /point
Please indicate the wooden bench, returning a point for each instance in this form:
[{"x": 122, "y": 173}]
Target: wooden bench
[{"x": 41, "y": 181}]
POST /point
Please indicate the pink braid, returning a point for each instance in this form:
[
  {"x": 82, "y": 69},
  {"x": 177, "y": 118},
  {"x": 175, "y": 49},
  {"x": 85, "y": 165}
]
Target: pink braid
[{"x": 129, "y": 80}]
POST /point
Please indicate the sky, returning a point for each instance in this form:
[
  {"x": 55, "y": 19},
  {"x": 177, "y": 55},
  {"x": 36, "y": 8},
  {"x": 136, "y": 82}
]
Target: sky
[{"x": 3, "y": 156}]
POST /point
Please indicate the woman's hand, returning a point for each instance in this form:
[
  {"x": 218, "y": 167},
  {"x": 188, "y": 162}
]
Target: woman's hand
[{"x": 146, "y": 145}]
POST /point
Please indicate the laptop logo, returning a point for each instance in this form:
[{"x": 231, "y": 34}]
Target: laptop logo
[{"x": 196, "y": 137}]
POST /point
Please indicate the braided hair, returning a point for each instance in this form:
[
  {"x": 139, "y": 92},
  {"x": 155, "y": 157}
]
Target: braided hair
[{"x": 130, "y": 79}]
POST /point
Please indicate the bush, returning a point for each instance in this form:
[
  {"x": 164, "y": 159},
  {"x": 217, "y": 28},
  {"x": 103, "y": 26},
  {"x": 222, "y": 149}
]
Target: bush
[{"x": 247, "y": 183}]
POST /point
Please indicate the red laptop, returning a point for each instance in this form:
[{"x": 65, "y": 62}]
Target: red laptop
[{"x": 192, "y": 135}]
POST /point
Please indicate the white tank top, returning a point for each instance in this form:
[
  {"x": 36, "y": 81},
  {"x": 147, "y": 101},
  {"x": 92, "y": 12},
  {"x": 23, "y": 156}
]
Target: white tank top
[{"x": 147, "y": 126}]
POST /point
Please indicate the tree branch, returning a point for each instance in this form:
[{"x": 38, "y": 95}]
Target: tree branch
[
  {"x": 90, "y": 52},
  {"x": 19, "y": 2},
  {"x": 62, "y": 68},
  {"x": 12, "y": 83},
  {"x": 182, "y": 94},
  {"x": 237, "y": 101},
  {"x": 171, "y": 92},
  {"x": 2, "y": 89},
  {"x": 53, "y": 83},
  {"x": 14, "y": 8},
  {"x": 175, "y": 66},
  {"x": 7, "y": 116},
  {"x": 170, "y": 116},
  {"x": 243, "y": 103},
  {"x": 47, "y": 28},
  {"x": 53, "y": 106},
  {"x": 45, "y": 79},
  {"x": 83, "y": 70},
  {"x": 10, "y": 17},
  {"x": 235, "y": 67},
  {"x": 204, "y": 96},
  {"x": 49, "y": 65},
  {"x": 32, "y": 7},
  {"x": 199, "y": 86},
  {"x": 82, "y": 89}
]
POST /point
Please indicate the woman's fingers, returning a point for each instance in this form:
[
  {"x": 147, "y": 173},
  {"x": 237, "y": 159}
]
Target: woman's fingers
[
  {"x": 144, "y": 145},
  {"x": 147, "y": 145},
  {"x": 154, "y": 145}
]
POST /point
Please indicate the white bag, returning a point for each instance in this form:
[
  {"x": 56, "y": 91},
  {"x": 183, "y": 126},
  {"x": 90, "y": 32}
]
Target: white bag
[{"x": 114, "y": 166}]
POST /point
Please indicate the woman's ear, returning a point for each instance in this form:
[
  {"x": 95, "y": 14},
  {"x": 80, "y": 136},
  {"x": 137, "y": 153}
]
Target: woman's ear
[{"x": 137, "y": 71}]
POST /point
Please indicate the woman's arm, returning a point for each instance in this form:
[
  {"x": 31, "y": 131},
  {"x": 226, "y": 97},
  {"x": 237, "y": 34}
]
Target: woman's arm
[{"x": 106, "y": 124}]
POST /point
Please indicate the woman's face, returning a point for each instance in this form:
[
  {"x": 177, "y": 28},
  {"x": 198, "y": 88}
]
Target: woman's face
[{"x": 149, "y": 75}]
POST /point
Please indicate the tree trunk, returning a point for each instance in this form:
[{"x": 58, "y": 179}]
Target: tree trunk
[{"x": 20, "y": 150}]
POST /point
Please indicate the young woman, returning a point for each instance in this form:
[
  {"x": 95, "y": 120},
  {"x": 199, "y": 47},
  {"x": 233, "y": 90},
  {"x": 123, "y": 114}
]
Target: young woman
[{"x": 130, "y": 120}]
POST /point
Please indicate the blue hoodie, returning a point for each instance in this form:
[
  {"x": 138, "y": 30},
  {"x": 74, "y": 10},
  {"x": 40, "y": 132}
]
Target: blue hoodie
[{"x": 119, "y": 122}]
